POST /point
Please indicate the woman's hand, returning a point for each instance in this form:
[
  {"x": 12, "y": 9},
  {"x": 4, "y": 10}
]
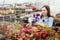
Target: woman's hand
[{"x": 39, "y": 24}]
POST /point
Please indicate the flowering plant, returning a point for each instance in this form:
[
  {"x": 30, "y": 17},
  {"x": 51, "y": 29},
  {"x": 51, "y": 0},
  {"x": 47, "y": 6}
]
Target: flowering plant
[{"x": 22, "y": 31}]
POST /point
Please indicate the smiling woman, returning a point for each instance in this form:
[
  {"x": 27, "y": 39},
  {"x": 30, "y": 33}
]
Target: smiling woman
[{"x": 46, "y": 18}]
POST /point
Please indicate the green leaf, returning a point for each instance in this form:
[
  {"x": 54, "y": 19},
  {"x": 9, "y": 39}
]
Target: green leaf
[{"x": 1, "y": 35}]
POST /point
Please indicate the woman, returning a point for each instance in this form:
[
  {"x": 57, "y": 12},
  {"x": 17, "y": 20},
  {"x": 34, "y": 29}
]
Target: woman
[{"x": 46, "y": 17}]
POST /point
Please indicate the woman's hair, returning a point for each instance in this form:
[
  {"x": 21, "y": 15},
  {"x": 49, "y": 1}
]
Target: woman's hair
[{"x": 48, "y": 10}]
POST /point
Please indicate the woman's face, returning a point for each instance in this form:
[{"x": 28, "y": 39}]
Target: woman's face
[{"x": 44, "y": 11}]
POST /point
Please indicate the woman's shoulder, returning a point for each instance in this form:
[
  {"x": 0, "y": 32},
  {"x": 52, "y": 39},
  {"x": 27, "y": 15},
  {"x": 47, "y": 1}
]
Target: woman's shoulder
[{"x": 51, "y": 18}]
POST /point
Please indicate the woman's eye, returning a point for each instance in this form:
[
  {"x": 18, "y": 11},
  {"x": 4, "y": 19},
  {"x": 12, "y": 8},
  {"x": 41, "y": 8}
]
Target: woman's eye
[{"x": 43, "y": 10}]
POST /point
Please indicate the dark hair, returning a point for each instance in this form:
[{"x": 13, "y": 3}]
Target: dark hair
[{"x": 48, "y": 10}]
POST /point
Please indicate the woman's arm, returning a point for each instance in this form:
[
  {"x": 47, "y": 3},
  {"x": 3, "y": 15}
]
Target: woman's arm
[{"x": 50, "y": 21}]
